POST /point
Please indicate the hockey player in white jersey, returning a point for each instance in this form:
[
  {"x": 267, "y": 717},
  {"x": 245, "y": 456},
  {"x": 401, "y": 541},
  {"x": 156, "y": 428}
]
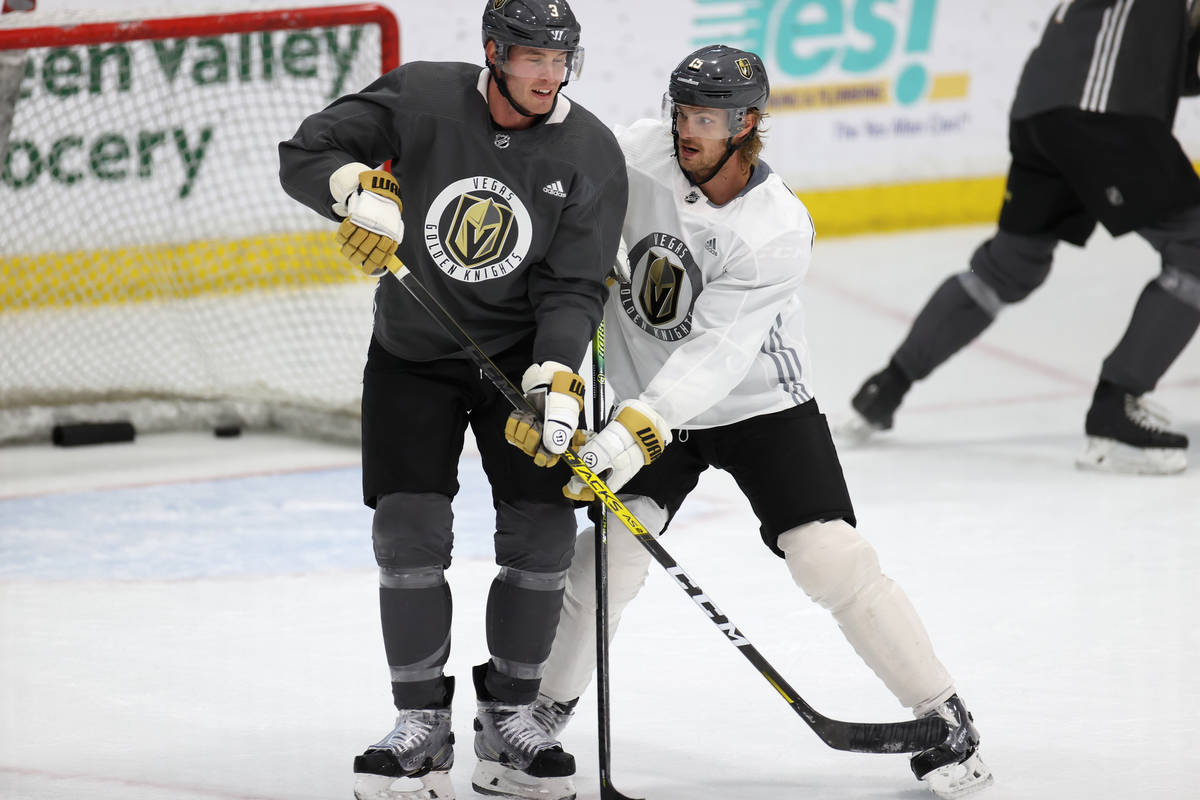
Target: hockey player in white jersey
[{"x": 706, "y": 354}]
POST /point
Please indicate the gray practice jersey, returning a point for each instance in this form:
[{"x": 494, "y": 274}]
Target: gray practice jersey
[
  {"x": 1112, "y": 57},
  {"x": 710, "y": 330},
  {"x": 512, "y": 230}
]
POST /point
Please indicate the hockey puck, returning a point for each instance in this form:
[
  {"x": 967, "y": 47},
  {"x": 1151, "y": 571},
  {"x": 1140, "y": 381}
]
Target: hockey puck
[
  {"x": 74, "y": 434},
  {"x": 227, "y": 431}
]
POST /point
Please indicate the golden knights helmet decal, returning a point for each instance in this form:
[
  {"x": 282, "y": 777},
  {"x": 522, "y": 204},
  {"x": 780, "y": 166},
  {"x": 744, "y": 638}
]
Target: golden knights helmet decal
[
  {"x": 663, "y": 287},
  {"x": 745, "y": 67},
  {"x": 477, "y": 229}
]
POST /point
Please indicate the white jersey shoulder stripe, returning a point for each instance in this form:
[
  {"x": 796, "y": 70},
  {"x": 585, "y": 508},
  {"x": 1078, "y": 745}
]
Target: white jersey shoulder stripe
[
  {"x": 1112, "y": 59},
  {"x": 1104, "y": 57}
]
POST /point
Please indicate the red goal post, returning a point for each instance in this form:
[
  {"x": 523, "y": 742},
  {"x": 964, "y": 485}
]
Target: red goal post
[{"x": 151, "y": 268}]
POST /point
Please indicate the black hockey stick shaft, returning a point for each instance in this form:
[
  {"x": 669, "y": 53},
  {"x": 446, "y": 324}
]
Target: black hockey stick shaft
[
  {"x": 861, "y": 737},
  {"x": 600, "y": 532}
]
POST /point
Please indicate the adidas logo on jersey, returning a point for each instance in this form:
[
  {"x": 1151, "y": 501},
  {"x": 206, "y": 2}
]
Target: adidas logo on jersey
[
  {"x": 555, "y": 189},
  {"x": 711, "y": 246}
]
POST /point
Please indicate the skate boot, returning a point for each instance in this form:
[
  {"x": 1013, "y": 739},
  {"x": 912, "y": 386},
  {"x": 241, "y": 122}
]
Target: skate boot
[
  {"x": 516, "y": 757},
  {"x": 1128, "y": 434},
  {"x": 413, "y": 761},
  {"x": 953, "y": 769},
  {"x": 875, "y": 404},
  {"x": 552, "y": 715}
]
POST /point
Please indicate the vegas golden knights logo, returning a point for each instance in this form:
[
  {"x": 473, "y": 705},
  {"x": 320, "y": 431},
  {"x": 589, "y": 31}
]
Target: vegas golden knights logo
[
  {"x": 479, "y": 230},
  {"x": 498, "y": 4},
  {"x": 661, "y": 290},
  {"x": 744, "y": 67},
  {"x": 665, "y": 283}
]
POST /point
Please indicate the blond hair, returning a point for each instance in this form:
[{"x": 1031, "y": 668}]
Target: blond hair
[{"x": 750, "y": 151}]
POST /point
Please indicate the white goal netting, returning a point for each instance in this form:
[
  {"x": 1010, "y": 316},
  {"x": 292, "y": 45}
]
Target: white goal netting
[{"x": 151, "y": 268}]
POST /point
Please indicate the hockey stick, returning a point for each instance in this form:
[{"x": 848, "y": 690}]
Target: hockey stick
[
  {"x": 860, "y": 737},
  {"x": 603, "y": 710}
]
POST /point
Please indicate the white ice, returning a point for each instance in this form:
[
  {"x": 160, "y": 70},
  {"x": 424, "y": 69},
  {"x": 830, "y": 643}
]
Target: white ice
[{"x": 190, "y": 618}]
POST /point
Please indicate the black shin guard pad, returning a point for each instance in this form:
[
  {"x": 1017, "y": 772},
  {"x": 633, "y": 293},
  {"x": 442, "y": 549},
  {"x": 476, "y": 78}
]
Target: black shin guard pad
[
  {"x": 416, "y": 638},
  {"x": 520, "y": 630}
]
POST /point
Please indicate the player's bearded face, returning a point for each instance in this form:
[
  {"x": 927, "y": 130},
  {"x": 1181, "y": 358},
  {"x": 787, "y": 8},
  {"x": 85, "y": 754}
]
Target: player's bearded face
[
  {"x": 703, "y": 133},
  {"x": 534, "y": 75}
]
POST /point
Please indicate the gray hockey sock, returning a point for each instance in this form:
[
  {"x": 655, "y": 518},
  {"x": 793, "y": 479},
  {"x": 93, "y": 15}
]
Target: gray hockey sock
[
  {"x": 950, "y": 320},
  {"x": 1164, "y": 320}
]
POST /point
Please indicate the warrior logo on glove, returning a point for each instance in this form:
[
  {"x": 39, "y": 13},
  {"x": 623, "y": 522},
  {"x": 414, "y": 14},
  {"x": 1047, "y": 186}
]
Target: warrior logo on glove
[{"x": 636, "y": 437}]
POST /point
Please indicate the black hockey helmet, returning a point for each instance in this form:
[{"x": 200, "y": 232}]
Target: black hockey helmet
[
  {"x": 532, "y": 23},
  {"x": 719, "y": 76},
  {"x": 544, "y": 24}
]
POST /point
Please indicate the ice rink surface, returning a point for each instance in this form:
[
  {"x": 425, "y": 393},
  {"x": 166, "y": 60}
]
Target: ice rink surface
[{"x": 191, "y": 618}]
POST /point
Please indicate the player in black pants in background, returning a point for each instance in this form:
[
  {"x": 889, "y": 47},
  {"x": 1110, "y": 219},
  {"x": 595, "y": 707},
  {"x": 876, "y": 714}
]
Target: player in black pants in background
[
  {"x": 513, "y": 199},
  {"x": 1090, "y": 136}
]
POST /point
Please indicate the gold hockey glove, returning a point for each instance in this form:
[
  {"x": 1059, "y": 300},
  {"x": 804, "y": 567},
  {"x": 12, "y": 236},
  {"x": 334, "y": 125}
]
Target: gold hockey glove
[
  {"x": 373, "y": 228},
  {"x": 556, "y": 394}
]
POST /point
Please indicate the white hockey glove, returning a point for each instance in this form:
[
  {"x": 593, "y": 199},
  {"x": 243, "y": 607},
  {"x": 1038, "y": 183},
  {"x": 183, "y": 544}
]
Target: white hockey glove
[
  {"x": 636, "y": 436},
  {"x": 621, "y": 271},
  {"x": 373, "y": 229},
  {"x": 556, "y": 392}
]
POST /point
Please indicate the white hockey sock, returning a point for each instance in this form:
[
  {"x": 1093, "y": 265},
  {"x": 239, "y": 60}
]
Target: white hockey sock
[
  {"x": 839, "y": 570},
  {"x": 573, "y": 657}
]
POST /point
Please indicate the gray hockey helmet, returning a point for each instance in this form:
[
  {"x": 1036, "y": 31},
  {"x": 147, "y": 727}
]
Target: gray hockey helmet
[{"x": 719, "y": 76}]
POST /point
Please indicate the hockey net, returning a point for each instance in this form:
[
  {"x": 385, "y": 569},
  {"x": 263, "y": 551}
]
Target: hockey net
[{"x": 151, "y": 268}]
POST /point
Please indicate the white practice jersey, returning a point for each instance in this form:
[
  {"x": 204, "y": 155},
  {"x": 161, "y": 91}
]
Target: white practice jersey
[{"x": 709, "y": 331}]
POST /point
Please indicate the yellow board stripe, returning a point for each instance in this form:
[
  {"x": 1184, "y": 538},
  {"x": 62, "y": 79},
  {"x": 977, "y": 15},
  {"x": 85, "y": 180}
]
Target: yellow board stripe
[
  {"x": 875, "y": 209},
  {"x": 904, "y": 206},
  {"x": 311, "y": 259},
  {"x": 159, "y": 272}
]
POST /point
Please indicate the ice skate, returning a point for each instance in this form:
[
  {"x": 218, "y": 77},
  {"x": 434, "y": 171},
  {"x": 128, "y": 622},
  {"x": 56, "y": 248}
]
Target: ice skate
[
  {"x": 1128, "y": 434},
  {"x": 517, "y": 759},
  {"x": 953, "y": 769},
  {"x": 552, "y": 715},
  {"x": 413, "y": 761},
  {"x": 874, "y": 406}
]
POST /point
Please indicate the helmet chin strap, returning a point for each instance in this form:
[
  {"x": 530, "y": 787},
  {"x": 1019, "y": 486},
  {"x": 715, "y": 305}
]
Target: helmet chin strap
[{"x": 502, "y": 85}]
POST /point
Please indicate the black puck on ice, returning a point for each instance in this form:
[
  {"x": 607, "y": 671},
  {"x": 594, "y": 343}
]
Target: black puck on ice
[
  {"x": 227, "y": 431},
  {"x": 73, "y": 434}
]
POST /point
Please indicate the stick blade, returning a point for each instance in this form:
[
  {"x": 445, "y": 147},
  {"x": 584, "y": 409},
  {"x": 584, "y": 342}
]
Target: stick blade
[
  {"x": 910, "y": 736},
  {"x": 609, "y": 792}
]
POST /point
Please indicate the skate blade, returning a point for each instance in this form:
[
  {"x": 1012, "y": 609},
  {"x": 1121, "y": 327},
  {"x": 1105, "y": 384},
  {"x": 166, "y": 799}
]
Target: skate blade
[
  {"x": 1109, "y": 455},
  {"x": 431, "y": 786},
  {"x": 500, "y": 781},
  {"x": 959, "y": 780},
  {"x": 854, "y": 430}
]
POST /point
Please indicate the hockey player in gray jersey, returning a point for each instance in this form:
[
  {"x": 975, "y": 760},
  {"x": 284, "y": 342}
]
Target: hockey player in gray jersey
[
  {"x": 505, "y": 201},
  {"x": 706, "y": 354},
  {"x": 1090, "y": 136}
]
